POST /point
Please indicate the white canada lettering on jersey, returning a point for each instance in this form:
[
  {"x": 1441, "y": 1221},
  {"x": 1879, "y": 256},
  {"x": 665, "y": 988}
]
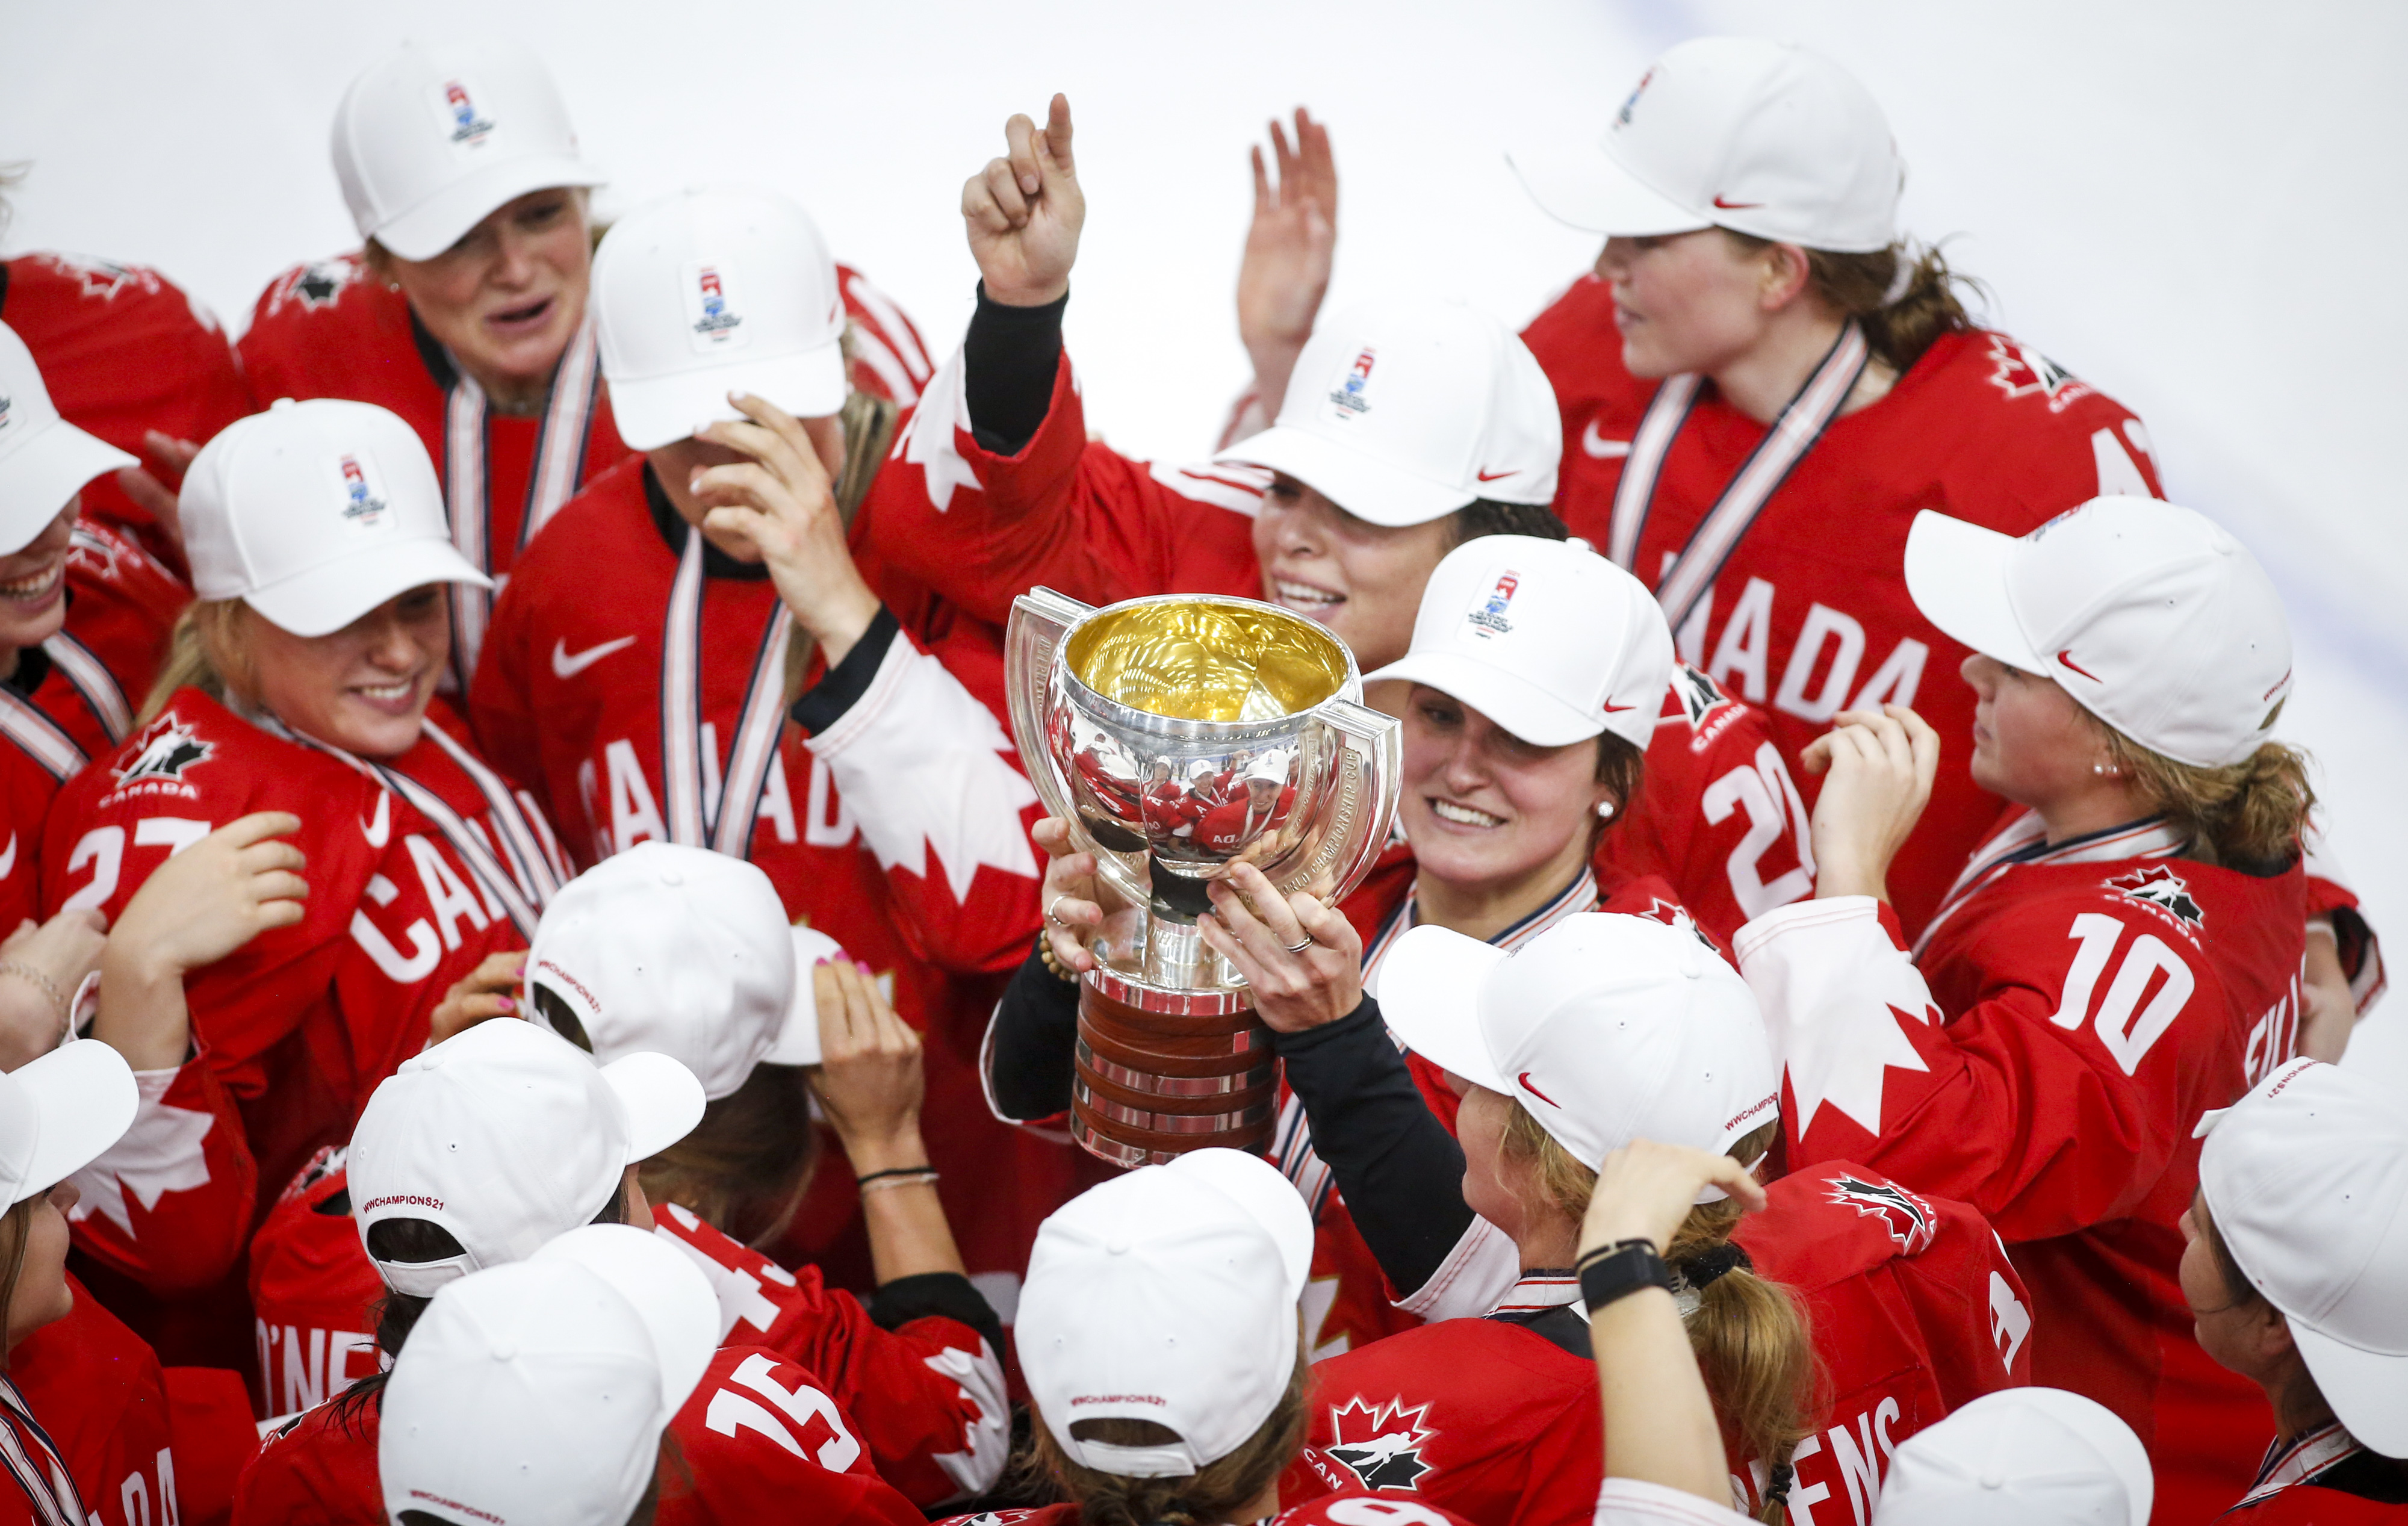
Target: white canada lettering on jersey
[
  {"x": 826, "y": 823},
  {"x": 2009, "y": 1322},
  {"x": 447, "y": 894},
  {"x": 301, "y": 1368},
  {"x": 635, "y": 815},
  {"x": 425, "y": 949},
  {"x": 1825, "y": 658},
  {"x": 802, "y": 1405},
  {"x": 1861, "y": 1451},
  {"x": 2128, "y": 1037}
]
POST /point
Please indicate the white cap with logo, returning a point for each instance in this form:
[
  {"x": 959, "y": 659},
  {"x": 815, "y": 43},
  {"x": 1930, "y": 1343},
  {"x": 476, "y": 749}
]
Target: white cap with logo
[
  {"x": 59, "y": 1113},
  {"x": 1402, "y": 413},
  {"x": 538, "y": 1390},
  {"x": 1169, "y": 1295},
  {"x": 44, "y": 460},
  {"x": 677, "y": 951},
  {"x": 1606, "y": 1027},
  {"x": 315, "y": 513},
  {"x": 1759, "y": 136},
  {"x": 2306, "y": 1178},
  {"x": 2020, "y": 1457},
  {"x": 505, "y": 1137},
  {"x": 1544, "y": 637},
  {"x": 431, "y": 139},
  {"x": 711, "y": 292},
  {"x": 2152, "y": 616}
]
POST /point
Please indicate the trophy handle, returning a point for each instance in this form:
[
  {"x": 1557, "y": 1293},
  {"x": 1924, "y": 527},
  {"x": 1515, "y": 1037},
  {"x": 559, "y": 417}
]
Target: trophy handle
[
  {"x": 1369, "y": 768},
  {"x": 1038, "y": 618}
]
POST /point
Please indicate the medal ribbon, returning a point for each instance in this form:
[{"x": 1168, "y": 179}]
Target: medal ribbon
[
  {"x": 1802, "y": 423},
  {"x": 27, "y": 1449},
  {"x": 92, "y": 679},
  {"x": 717, "y": 813}
]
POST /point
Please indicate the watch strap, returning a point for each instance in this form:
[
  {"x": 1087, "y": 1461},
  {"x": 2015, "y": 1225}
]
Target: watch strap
[{"x": 1620, "y": 1269}]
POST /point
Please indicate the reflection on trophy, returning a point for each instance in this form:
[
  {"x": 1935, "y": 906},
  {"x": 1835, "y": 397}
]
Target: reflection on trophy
[{"x": 1178, "y": 735}]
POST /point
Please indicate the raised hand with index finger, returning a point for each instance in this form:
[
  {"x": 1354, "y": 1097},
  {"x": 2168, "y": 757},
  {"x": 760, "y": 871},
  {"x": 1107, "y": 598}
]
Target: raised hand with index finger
[{"x": 1023, "y": 212}]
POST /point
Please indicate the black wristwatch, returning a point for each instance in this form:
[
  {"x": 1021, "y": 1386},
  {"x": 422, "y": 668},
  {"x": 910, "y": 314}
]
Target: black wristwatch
[{"x": 1623, "y": 1267}]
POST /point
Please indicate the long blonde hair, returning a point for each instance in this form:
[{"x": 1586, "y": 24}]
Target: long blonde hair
[
  {"x": 206, "y": 652},
  {"x": 2250, "y": 814},
  {"x": 1750, "y": 1334}
]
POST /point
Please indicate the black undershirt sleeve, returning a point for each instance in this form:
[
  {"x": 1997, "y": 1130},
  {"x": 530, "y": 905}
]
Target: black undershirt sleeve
[
  {"x": 898, "y": 1303},
  {"x": 824, "y": 702},
  {"x": 1009, "y": 357},
  {"x": 1398, "y": 1167},
  {"x": 1035, "y": 1026}
]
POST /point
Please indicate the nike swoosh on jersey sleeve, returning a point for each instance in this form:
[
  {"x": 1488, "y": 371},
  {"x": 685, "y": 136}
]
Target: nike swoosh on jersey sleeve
[{"x": 568, "y": 664}]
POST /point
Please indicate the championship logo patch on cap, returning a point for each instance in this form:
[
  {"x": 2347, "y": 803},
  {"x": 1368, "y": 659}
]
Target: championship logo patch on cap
[
  {"x": 1486, "y": 615},
  {"x": 465, "y": 127},
  {"x": 363, "y": 503},
  {"x": 7, "y": 416},
  {"x": 712, "y": 317},
  {"x": 1348, "y": 396},
  {"x": 1622, "y": 118}
]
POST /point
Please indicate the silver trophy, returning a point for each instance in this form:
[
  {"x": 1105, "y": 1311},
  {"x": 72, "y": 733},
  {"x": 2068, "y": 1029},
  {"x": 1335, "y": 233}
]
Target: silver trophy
[{"x": 1179, "y": 735}]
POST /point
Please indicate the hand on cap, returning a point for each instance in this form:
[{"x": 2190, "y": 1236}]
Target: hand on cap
[
  {"x": 779, "y": 503},
  {"x": 1255, "y": 928},
  {"x": 1879, "y": 768},
  {"x": 1644, "y": 1190},
  {"x": 868, "y": 1082},
  {"x": 206, "y": 900},
  {"x": 155, "y": 491},
  {"x": 1023, "y": 212},
  {"x": 481, "y": 995},
  {"x": 1289, "y": 248},
  {"x": 50, "y": 961}
]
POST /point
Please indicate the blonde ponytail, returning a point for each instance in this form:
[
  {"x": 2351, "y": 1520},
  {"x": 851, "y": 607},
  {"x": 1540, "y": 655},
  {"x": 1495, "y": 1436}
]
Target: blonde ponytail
[
  {"x": 1903, "y": 297},
  {"x": 1749, "y": 1333},
  {"x": 2248, "y": 815},
  {"x": 207, "y": 646}
]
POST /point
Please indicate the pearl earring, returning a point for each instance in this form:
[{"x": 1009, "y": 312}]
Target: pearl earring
[
  {"x": 1605, "y": 807},
  {"x": 2107, "y": 770}
]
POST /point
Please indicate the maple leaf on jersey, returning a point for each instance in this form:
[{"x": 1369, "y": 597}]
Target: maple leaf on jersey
[
  {"x": 159, "y": 1154},
  {"x": 1838, "y": 996},
  {"x": 1380, "y": 1443},
  {"x": 927, "y": 440}
]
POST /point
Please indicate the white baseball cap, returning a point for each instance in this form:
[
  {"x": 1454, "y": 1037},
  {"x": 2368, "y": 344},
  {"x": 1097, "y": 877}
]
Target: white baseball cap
[
  {"x": 44, "y": 460},
  {"x": 1402, "y": 413},
  {"x": 1170, "y": 1296},
  {"x": 1606, "y": 1027},
  {"x": 538, "y": 1392},
  {"x": 798, "y": 1039},
  {"x": 677, "y": 951},
  {"x": 712, "y": 291},
  {"x": 1546, "y": 637},
  {"x": 59, "y": 1113},
  {"x": 2152, "y": 616},
  {"x": 507, "y": 1136},
  {"x": 314, "y": 513},
  {"x": 2306, "y": 1178},
  {"x": 2020, "y": 1457},
  {"x": 433, "y": 139},
  {"x": 1742, "y": 133}
]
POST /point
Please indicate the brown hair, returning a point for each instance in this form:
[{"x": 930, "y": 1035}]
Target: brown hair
[
  {"x": 1488, "y": 516},
  {"x": 1217, "y": 1491},
  {"x": 2248, "y": 815},
  {"x": 1749, "y": 1333},
  {"x": 745, "y": 1167},
  {"x": 16, "y": 1224},
  {"x": 205, "y": 649},
  {"x": 1858, "y": 286}
]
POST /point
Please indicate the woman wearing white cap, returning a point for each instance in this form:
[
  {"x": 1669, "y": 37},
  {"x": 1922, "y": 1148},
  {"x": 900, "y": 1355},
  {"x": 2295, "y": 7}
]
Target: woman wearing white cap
[
  {"x": 465, "y": 312},
  {"x": 1159, "y": 1332},
  {"x": 481, "y": 1154},
  {"x": 300, "y": 681},
  {"x": 703, "y": 658},
  {"x": 2296, "y": 1267},
  {"x": 1431, "y": 427},
  {"x": 2018, "y": 1457},
  {"x": 2117, "y": 956}
]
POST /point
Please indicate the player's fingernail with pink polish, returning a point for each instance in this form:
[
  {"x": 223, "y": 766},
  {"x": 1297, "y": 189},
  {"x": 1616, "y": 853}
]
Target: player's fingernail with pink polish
[{"x": 505, "y": 1004}]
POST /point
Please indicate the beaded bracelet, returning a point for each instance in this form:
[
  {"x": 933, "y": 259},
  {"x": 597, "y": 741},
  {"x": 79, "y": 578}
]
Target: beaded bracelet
[
  {"x": 41, "y": 982},
  {"x": 1054, "y": 965}
]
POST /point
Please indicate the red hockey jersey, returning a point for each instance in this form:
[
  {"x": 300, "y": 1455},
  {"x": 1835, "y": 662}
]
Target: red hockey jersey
[
  {"x": 899, "y": 829},
  {"x": 2044, "y": 1058},
  {"x": 300, "y": 1024},
  {"x": 1722, "y": 822},
  {"x": 1801, "y": 615},
  {"x": 170, "y": 1204},
  {"x": 926, "y": 1399},
  {"x": 97, "y": 1390},
  {"x": 761, "y": 1441},
  {"x": 1349, "y": 1508},
  {"x": 123, "y": 351}
]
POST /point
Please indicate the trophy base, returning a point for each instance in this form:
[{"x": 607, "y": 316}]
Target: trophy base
[{"x": 1160, "y": 1072}]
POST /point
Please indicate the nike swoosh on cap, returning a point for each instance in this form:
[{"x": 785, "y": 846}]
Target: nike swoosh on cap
[
  {"x": 1612, "y": 708},
  {"x": 2066, "y": 656},
  {"x": 1524, "y": 1079},
  {"x": 1737, "y": 206},
  {"x": 565, "y": 665},
  {"x": 1599, "y": 446},
  {"x": 1491, "y": 477}
]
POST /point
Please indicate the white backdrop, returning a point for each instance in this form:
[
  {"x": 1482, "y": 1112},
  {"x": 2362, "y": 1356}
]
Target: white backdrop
[{"x": 2198, "y": 206}]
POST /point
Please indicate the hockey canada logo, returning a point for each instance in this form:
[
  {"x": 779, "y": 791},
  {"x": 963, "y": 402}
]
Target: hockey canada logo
[
  {"x": 2020, "y": 371},
  {"x": 2160, "y": 890},
  {"x": 1487, "y": 616},
  {"x": 163, "y": 751},
  {"x": 468, "y": 129},
  {"x": 362, "y": 509},
  {"x": 1699, "y": 696},
  {"x": 1672, "y": 914},
  {"x": 716, "y": 322},
  {"x": 1379, "y": 1444},
  {"x": 317, "y": 283},
  {"x": 103, "y": 278},
  {"x": 1349, "y": 395},
  {"x": 1909, "y": 1218}
]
